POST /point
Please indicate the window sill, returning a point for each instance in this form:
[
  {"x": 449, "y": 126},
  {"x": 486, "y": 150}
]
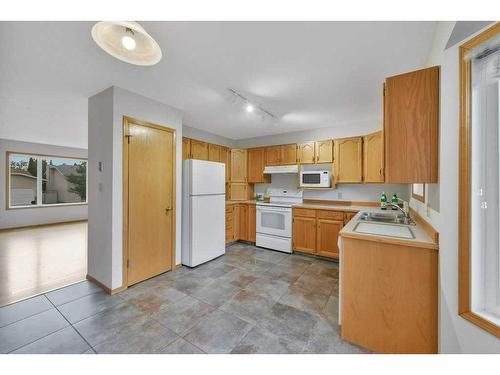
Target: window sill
[
  {"x": 47, "y": 206},
  {"x": 482, "y": 322}
]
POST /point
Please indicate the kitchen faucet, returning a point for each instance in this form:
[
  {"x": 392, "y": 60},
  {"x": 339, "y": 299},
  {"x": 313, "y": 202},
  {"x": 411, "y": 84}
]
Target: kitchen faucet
[{"x": 405, "y": 210}]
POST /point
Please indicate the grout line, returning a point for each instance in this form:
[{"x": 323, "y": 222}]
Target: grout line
[
  {"x": 38, "y": 339},
  {"x": 72, "y": 326}
]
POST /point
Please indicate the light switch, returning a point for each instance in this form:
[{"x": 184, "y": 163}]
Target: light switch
[{"x": 99, "y": 166}]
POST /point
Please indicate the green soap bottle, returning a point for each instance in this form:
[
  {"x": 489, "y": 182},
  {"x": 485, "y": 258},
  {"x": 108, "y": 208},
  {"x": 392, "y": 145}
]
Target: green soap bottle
[
  {"x": 383, "y": 201},
  {"x": 394, "y": 201}
]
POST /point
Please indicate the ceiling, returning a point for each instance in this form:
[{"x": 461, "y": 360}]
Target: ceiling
[{"x": 310, "y": 74}]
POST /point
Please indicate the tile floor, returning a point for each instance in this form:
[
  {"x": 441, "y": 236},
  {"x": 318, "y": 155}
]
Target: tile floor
[{"x": 250, "y": 300}]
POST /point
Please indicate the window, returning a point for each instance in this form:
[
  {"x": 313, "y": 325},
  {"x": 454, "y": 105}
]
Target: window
[
  {"x": 39, "y": 180},
  {"x": 479, "y": 284}
]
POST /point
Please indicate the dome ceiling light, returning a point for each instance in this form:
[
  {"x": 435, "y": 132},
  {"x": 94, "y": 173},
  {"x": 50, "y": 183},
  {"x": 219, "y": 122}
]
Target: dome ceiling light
[{"x": 127, "y": 41}]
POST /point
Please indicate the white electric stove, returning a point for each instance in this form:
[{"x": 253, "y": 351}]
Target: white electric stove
[{"x": 274, "y": 219}]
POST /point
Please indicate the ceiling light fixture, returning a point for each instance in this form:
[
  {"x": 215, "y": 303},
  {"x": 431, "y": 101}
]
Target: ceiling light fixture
[
  {"x": 127, "y": 41},
  {"x": 252, "y": 107}
]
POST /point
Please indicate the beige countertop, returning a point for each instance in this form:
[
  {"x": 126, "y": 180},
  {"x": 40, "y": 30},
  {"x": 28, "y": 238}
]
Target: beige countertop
[
  {"x": 332, "y": 207},
  {"x": 251, "y": 201},
  {"x": 422, "y": 238}
]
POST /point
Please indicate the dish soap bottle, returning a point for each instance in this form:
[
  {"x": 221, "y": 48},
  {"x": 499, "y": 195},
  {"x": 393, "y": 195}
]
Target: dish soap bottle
[
  {"x": 383, "y": 201},
  {"x": 394, "y": 201}
]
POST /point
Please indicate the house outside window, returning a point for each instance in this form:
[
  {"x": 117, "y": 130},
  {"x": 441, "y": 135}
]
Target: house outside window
[{"x": 39, "y": 180}]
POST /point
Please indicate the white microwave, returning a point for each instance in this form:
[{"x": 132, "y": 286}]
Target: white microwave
[{"x": 320, "y": 179}]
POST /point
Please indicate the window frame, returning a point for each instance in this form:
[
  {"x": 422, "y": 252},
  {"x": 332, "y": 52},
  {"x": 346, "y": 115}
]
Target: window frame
[
  {"x": 39, "y": 205},
  {"x": 464, "y": 201}
]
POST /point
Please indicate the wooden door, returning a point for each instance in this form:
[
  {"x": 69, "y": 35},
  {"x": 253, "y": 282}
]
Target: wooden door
[
  {"x": 238, "y": 191},
  {"x": 229, "y": 223},
  {"x": 186, "y": 148},
  {"x": 251, "y": 235},
  {"x": 273, "y": 155},
  {"x": 214, "y": 152},
  {"x": 199, "y": 150},
  {"x": 348, "y": 160},
  {"x": 327, "y": 237},
  {"x": 305, "y": 153},
  {"x": 373, "y": 158},
  {"x": 256, "y": 162},
  {"x": 304, "y": 234},
  {"x": 289, "y": 154},
  {"x": 324, "y": 151},
  {"x": 411, "y": 127},
  {"x": 149, "y": 199},
  {"x": 238, "y": 165}
]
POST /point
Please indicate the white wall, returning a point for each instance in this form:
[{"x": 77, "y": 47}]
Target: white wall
[
  {"x": 343, "y": 192},
  {"x": 106, "y": 111},
  {"x": 202, "y": 135},
  {"x": 456, "y": 335},
  {"x": 36, "y": 215}
]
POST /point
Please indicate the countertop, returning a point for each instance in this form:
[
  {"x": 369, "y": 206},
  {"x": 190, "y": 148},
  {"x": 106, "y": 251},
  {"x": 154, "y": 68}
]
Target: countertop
[
  {"x": 422, "y": 238},
  {"x": 332, "y": 207},
  {"x": 250, "y": 201}
]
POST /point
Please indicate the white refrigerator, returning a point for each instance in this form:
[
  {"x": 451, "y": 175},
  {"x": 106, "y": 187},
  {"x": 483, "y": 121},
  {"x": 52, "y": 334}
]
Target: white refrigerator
[{"x": 203, "y": 211}]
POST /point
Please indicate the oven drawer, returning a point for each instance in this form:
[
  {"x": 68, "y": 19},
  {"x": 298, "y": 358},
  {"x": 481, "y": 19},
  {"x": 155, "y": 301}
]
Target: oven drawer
[
  {"x": 304, "y": 212},
  {"x": 333, "y": 215}
]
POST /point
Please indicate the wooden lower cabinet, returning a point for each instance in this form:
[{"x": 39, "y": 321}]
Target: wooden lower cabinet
[
  {"x": 240, "y": 222},
  {"x": 316, "y": 231},
  {"x": 229, "y": 223},
  {"x": 304, "y": 234},
  {"x": 389, "y": 296},
  {"x": 251, "y": 235},
  {"x": 327, "y": 237}
]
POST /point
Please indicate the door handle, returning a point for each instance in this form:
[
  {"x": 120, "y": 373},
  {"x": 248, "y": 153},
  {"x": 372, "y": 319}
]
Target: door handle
[{"x": 168, "y": 209}]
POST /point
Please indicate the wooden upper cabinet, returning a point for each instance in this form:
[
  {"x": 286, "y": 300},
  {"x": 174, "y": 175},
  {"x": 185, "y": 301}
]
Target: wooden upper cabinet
[
  {"x": 324, "y": 151},
  {"x": 327, "y": 237},
  {"x": 199, "y": 150},
  {"x": 273, "y": 155},
  {"x": 281, "y": 155},
  {"x": 238, "y": 191},
  {"x": 238, "y": 165},
  {"x": 288, "y": 154},
  {"x": 348, "y": 161},
  {"x": 411, "y": 127},
  {"x": 305, "y": 153},
  {"x": 373, "y": 157},
  {"x": 214, "y": 152},
  {"x": 186, "y": 148},
  {"x": 225, "y": 157},
  {"x": 256, "y": 163}
]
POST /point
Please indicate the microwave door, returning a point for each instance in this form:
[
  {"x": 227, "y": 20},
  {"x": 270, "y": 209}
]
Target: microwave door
[{"x": 311, "y": 179}]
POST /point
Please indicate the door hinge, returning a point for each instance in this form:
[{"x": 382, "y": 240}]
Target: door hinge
[{"x": 128, "y": 263}]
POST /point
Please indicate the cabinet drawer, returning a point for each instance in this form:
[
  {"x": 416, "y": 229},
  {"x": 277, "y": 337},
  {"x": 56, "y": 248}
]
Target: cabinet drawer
[
  {"x": 304, "y": 212},
  {"x": 334, "y": 215}
]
